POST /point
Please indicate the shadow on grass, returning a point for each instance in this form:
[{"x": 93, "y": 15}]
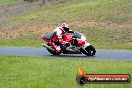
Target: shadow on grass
[{"x": 72, "y": 56}]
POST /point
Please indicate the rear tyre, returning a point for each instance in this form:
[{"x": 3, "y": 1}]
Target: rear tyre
[
  {"x": 52, "y": 52},
  {"x": 89, "y": 50}
]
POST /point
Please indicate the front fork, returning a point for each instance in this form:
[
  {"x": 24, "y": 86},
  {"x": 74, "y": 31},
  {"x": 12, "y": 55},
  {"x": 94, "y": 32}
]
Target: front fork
[{"x": 85, "y": 45}]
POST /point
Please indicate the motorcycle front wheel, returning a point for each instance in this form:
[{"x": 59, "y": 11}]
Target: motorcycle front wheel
[
  {"x": 89, "y": 50},
  {"x": 52, "y": 52}
]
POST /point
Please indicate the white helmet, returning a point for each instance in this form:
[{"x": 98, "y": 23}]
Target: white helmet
[{"x": 65, "y": 27}]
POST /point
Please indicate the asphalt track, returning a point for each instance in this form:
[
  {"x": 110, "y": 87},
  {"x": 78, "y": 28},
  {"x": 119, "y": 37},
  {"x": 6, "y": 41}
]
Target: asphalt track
[{"x": 101, "y": 54}]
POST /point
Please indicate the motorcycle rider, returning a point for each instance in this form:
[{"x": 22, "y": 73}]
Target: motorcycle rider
[{"x": 58, "y": 35}]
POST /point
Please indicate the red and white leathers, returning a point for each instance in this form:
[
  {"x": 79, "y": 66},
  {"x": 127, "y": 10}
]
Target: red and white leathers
[{"x": 59, "y": 33}]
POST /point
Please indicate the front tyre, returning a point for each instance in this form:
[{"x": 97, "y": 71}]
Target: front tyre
[
  {"x": 89, "y": 50},
  {"x": 52, "y": 52}
]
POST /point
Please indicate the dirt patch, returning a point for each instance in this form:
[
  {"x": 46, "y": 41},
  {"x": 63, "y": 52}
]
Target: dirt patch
[
  {"x": 100, "y": 24},
  {"x": 24, "y": 30},
  {"x": 40, "y": 28}
]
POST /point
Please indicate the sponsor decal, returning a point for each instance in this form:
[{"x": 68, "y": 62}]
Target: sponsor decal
[{"x": 83, "y": 78}]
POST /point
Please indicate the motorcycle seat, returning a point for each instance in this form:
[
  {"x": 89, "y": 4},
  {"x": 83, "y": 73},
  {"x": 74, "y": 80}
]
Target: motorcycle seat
[{"x": 47, "y": 36}]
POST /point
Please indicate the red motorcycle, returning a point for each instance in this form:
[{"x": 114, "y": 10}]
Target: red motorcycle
[{"x": 76, "y": 44}]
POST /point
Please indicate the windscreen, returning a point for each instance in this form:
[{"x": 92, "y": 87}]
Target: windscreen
[{"x": 77, "y": 35}]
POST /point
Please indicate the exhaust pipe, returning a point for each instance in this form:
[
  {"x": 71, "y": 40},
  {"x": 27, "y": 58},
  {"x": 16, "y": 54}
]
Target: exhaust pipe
[{"x": 48, "y": 47}]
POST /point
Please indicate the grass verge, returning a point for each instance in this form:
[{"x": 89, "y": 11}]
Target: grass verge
[
  {"x": 7, "y": 2},
  {"x": 100, "y": 39},
  {"x": 56, "y": 72}
]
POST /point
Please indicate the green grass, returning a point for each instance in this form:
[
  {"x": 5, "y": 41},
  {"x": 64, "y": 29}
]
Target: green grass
[
  {"x": 5, "y": 2},
  {"x": 112, "y": 11},
  {"x": 99, "y": 41},
  {"x": 105, "y": 10},
  {"x": 29, "y": 41},
  {"x": 56, "y": 72}
]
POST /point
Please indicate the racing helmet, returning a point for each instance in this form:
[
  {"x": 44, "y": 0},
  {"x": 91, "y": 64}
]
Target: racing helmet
[{"x": 65, "y": 27}]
